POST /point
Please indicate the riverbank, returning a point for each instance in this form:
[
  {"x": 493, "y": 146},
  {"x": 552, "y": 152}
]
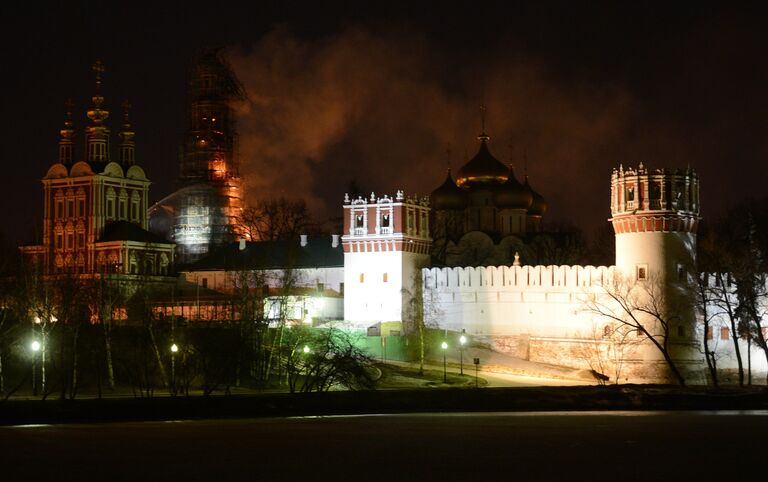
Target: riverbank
[{"x": 582, "y": 398}]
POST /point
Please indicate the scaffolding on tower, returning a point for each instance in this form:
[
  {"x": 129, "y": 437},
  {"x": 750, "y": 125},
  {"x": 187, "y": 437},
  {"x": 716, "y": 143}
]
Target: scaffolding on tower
[{"x": 202, "y": 214}]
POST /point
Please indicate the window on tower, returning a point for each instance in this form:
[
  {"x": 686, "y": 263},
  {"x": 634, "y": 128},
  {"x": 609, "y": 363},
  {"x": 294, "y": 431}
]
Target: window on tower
[
  {"x": 655, "y": 195},
  {"x": 630, "y": 197},
  {"x": 641, "y": 272},
  {"x": 362, "y": 277},
  {"x": 359, "y": 224}
]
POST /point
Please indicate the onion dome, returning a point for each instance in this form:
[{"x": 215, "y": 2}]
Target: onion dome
[
  {"x": 483, "y": 169},
  {"x": 539, "y": 205},
  {"x": 512, "y": 194},
  {"x": 448, "y": 196}
]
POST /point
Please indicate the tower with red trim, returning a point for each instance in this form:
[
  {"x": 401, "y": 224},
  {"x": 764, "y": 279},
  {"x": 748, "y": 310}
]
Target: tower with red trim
[
  {"x": 655, "y": 215},
  {"x": 386, "y": 243}
]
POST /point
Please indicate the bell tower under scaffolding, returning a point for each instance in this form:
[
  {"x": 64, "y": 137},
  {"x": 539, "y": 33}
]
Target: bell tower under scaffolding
[{"x": 209, "y": 185}]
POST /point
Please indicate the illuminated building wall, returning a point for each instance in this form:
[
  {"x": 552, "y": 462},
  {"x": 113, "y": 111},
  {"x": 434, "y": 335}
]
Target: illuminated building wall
[
  {"x": 209, "y": 198},
  {"x": 305, "y": 273},
  {"x": 539, "y": 312},
  {"x": 386, "y": 240}
]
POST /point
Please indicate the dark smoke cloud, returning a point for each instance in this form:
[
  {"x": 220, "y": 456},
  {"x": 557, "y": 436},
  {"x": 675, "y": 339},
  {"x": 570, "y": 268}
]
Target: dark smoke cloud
[{"x": 384, "y": 108}]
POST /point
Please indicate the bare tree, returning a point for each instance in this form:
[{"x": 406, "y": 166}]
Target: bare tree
[
  {"x": 249, "y": 291},
  {"x": 422, "y": 313},
  {"x": 751, "y": 291},
  {"x": 644, "y": 307},
  {"x": 274, "y": 219},
  {"x": 140, "y": 308},
  {"x": 564, "y": 247},
  {"x": 109, "y": 295},
  {"x": 706, "y": 299},
  {"x": 319, "y": 359},
  {"x": 280, "y": 307},
  {"x": 606, "y": 349}
]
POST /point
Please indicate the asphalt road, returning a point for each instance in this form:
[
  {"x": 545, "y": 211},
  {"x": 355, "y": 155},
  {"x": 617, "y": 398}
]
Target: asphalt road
[{"x": 620, "y": 446}]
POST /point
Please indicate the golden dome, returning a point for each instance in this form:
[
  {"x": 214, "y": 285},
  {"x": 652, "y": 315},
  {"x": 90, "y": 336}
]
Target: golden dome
[
  {"x": 483, "y": 169},
  {"x": 512, "y": 194},
  {"x": 448, "y": 196},
  {"x": 539, "y": 205}
]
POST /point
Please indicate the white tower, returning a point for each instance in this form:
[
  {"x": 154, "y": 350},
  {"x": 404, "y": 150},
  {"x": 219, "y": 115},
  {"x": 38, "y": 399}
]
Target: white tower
[
  {"x": 655, "y": 215},
  {"x": 386, "y": 243}
]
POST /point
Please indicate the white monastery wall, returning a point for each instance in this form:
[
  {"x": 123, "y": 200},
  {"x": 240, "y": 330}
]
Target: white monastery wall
[{"x": 537, "y": 301}]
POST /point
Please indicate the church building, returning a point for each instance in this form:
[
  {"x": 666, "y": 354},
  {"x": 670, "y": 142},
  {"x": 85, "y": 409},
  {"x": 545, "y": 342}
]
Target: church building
[
  {"x": 486, "y": 208},
  {"x": 95, "y": 208}
]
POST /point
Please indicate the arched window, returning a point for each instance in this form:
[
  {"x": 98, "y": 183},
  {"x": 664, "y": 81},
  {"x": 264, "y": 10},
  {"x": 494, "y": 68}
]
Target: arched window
[
  {"x": 135, "y": 201},
  {"x": 111, "y": 203}
]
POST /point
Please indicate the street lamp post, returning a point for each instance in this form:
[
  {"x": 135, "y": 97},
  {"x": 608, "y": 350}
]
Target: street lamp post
[
  {"x": 43, "y": 346},
  {"x": 462, "y": 341},
  {"x": 444, "y": 346},
  {"x": 174, "y": 350},
  {"x": 35, "y": 346},
  {"x": 306, "y": 351}
]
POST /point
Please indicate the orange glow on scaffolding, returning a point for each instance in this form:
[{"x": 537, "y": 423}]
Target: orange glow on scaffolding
[{"x": 217, "y": 169}]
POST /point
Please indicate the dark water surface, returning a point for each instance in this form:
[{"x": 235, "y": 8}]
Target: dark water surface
[{"x": 620, "y": 446}]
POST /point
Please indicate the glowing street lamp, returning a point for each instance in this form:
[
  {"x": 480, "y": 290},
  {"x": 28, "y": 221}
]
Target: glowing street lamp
[
  {"x": 306, "y": 349},
  {"x": 35, "y": 346},
  {"x": 462, "y": 341},
  {"x": 444, "y": 346}
]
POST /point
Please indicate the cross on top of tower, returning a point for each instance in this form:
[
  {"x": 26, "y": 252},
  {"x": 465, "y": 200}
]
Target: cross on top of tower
[{"x": 98, "y": 68}]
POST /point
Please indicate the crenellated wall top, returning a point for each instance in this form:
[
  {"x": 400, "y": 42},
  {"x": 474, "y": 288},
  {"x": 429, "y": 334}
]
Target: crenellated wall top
[{"x": 517, "y": 277}]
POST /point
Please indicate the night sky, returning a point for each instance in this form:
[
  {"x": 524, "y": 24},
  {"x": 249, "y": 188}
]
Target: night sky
[{"x": 389, "y": 95}]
